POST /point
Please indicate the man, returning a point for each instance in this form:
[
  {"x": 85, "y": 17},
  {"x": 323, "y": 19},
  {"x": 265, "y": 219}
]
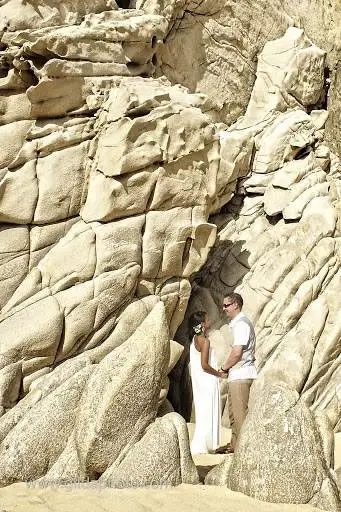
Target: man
[{"x": 240, "y": 367}]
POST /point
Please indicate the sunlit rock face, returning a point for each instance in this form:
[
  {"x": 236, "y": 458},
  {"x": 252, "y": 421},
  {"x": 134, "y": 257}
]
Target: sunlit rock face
[
  {"x": 278, "y": 241},
  {"x": 124, "y": 196},
  {"x": 213, "y": 47},
  {"x": 279, "y": 437}
]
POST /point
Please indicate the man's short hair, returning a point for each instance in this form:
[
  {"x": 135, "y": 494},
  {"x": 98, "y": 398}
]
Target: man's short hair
[{"x": 235, "y": 297}]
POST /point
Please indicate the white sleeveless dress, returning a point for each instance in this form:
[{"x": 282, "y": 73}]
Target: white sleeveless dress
[{"x": 206, "y": 397}]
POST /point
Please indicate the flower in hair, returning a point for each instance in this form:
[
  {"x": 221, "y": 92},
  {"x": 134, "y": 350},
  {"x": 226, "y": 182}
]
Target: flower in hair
[{"x": 198, "y": 329}]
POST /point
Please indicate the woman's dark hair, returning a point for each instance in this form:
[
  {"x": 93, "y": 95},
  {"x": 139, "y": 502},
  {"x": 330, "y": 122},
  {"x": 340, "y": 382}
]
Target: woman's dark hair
[{"x": 194, "y": 320}]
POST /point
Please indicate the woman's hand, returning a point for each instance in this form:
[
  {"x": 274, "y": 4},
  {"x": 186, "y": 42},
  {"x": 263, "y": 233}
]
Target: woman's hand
[{"x": 223, "y": 375}]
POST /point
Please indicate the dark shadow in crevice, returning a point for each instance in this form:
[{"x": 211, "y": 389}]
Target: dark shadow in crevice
[
  {"x": 124, "y": 4},
  {"x": 180, "y": 391},
  {"x": 322, "y": 102}
]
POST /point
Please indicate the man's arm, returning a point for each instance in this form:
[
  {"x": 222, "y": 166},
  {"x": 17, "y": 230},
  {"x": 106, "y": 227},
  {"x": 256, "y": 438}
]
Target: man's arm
[
  {"x": 241, "y": 335},
  {"x": 234, "y": 357}
]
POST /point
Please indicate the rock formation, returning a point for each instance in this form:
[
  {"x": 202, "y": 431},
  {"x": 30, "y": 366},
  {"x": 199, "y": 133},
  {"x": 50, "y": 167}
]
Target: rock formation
[
  {"x": 162, "y": 457},
  {"x": 280, "y": 456},
  {"x": 127, "y": 199}
]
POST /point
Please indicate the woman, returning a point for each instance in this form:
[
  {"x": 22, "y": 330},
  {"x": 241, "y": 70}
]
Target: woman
[{"x": 205, "y": 384}]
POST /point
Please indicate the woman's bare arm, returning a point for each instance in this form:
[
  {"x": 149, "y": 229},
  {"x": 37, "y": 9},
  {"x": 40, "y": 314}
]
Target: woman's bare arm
[{"x": 204, "y": 345}]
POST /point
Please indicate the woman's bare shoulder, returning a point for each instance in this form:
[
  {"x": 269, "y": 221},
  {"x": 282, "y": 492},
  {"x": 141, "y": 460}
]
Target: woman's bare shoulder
[{"x": 200, "y": 340}]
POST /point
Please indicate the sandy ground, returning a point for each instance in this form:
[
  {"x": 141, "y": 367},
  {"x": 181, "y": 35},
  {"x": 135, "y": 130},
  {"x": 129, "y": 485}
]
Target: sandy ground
[{"x": 185, "y": 498}]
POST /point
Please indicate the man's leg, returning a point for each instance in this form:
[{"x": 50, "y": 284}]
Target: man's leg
[
  {"x": 230, "y": 399},
  {"x": 238, "y": 399}
]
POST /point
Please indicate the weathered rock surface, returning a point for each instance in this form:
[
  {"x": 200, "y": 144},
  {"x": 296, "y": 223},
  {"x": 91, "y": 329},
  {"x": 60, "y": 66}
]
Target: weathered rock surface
[
  {"x": 219, "y": 42},
  {"x": 161, "y": 457},
  {"x": 280, "y": 455},
  {"x": 115, "y": 185},
  {"x": 121, "y": 397},
  {"x": 91, "y": 416},
  {"x": 278, "y": 242},
  {"x": 141, "y": 255}
]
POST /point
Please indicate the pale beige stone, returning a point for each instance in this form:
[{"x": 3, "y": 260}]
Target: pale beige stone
[
  {"x": 109, "y": 198},
  {"x": 30, "y": 381},
  {"x": 280, "y": 63},
  {"x": 53, "y": 134},
  {"x": 10, "y": 379},
  {"x": 305, "y": 79},
  {"x": 281, "y": 141},
  {"x": 12, "y": 138},
  {"x": 161, "y": 457},
  {"x": 19, "y": 194},
  {"x": 219, "y": 474},
  {"x": 151, "y": 138},
  {"x": 72, "y": 260},
  {"x": 18, "y": 15},
  {"x": 292, "y": 363},
  {"x": 175, "y": 294},
  {"x": 282, "y": 268},
  {"x": 43, "y": 238},
  {"x": 14, "y": 259},
  {"x": 164, "y": 242},
  {"x": 217, "y": 43},
  {"x": 56, "y": 97},
  {"x": 121, "y": 398},
  {"x": 15, "y": 107},
  {"x": 111, "y": 180},
  {"x": 36, "y": 441},
  {"x": 30, "y": 287},
  {"x": 118, "y": 243},
  {"x": 175, "y": 352},
  {"x": 162, "y": 253},
  {"x": 44, "y": 385},
  {"x": 66, "y": 468},
  {"x": 235, "y": 158},
  {"x": 295, "y": 209},
  {"x": 144, "y": 140},
  {"x": 61, "y": 177},
  {"x": 165, "y": 408},
  {"x": 127, "y": 322},
  {"x": 88, "y": 306},
  {"x": 23, "y": 338},
  {"x": 278, "y": 438}
]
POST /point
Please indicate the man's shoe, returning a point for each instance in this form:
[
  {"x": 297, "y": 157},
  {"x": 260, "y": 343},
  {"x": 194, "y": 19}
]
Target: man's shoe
[{"x": 224, "y": 449}]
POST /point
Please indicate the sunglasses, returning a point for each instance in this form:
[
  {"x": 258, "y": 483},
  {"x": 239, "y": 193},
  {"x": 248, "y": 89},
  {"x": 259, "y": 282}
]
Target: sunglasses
[{"x": 227, "y": 304}]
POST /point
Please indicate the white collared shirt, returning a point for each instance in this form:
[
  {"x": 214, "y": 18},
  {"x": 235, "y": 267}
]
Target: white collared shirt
[{"x": 243, "y": 334}]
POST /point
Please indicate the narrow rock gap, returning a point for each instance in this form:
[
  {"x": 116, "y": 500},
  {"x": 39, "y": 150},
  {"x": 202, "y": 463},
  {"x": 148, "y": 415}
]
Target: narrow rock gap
[{"x": 124, "y": 4}]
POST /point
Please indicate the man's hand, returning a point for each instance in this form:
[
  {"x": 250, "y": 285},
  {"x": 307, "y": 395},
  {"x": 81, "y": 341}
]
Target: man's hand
[{"x": 235, "y": 356}]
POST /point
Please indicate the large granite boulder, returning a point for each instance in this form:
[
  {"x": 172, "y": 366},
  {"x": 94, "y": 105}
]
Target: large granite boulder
[
  {"x": 281, "y": 456},
  {"x": 121, "y": 397},
  {"x": 43, "y": 427},
  {"x": 161, "y": 457},
  {"x": 35, "y": 443}
]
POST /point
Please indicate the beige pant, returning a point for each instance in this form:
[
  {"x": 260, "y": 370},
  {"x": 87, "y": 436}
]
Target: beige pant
[{"x": 238, "y": 399}]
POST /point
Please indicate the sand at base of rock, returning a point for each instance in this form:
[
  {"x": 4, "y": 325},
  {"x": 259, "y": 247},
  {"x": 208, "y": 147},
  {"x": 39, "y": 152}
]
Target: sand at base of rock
[
  {"x": 90, "y": 498},
  {"x": 95, "y": 498}
]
